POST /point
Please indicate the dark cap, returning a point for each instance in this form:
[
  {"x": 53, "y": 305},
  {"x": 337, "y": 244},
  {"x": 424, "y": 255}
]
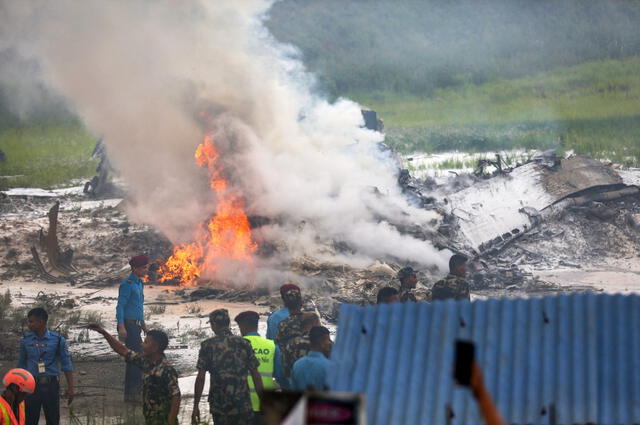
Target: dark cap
[
  {"x": 139, "y": 261},
  {"x": 288, "y": 288},
  {"x": 405, "y": 272},
  {"x": 247, "y": 316},
  {"x": 219, "y": 316}
]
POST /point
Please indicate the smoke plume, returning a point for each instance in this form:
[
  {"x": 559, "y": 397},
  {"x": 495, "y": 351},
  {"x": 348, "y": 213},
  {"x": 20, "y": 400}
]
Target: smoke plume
[{"x": 152, "y": 76}]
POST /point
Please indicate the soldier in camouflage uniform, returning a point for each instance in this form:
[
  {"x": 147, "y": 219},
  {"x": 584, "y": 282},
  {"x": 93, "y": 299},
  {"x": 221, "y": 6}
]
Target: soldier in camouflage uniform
[
  {"x": 293, "y": 338},
  {"x": 291, "y": 326},
  {"x": 454, "y": 286},
  {"x": 160, "y": 391},
  {"x": 228, "y": 359},
  {"x": 408, "y": 282}
]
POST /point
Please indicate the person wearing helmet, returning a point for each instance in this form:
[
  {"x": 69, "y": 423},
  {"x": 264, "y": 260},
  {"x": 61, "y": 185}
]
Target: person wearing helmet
[{"x": 17, "y": 383}]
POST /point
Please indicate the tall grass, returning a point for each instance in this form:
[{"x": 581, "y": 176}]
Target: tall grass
[
  {"x": 45, "y": 155},
  {"x": 592, "y": 108}
]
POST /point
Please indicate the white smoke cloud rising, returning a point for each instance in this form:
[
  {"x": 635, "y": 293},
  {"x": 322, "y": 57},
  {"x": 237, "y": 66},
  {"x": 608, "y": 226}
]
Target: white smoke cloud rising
[{"x": 151, "y": 76}]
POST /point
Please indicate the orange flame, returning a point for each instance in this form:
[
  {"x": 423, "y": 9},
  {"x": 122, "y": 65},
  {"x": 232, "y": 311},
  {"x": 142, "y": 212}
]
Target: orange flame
[{"x": 227, "y": 236}]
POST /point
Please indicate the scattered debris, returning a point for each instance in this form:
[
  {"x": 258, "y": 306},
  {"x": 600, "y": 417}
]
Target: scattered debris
[
  {"x": 538, "y": 216},
  {"x": 60, "y": 261},
  {"x": 43, "y": 272},
  {"x": 101, "y": 184},
  {"x": 495, "y": 212}
]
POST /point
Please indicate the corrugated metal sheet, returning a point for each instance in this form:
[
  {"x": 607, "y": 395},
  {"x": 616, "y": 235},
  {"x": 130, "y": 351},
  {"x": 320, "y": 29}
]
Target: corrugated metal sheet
[{"x": 556, "y": 360}]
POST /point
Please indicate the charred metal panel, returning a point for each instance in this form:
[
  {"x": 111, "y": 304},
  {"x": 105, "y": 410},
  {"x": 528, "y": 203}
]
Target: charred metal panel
[
  {"x": 491, "y": 208},
  {"x": 577, "y": 174},
  {"x": 555, "y": 360}
]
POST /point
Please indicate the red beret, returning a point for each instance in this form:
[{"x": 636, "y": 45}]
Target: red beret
[
  {"x": 288, "y": 287},
  {"x": 139, "y": 261}
]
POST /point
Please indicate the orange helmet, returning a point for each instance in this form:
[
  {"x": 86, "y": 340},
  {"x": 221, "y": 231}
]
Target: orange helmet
[{"x": 22, "y": 378}]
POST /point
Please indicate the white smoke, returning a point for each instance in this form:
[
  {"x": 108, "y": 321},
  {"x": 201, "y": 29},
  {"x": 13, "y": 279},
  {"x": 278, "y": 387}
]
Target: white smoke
[{"x": 151, "y": 76}]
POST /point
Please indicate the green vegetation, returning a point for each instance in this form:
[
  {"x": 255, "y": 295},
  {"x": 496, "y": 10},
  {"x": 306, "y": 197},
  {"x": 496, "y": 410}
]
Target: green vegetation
[
  {"x": 45, "y": 155},
  {"x": 444, "y": 75},
  {"x": 480, "y": 76},
  {"x": 593, "y": 108},
  {"x": 469, "y": 161},
  {"x": 419, "y": 46}
]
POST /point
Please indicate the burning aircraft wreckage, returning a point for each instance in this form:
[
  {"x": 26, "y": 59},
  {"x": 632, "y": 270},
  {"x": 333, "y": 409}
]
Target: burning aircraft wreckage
[{"x": 518, "y": 224}]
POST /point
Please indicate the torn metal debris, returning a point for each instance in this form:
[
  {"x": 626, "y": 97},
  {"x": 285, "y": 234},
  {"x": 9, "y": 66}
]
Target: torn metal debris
[{"x": 496, "y": 211}]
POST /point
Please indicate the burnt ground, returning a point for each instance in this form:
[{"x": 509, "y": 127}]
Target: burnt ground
[
  {"x": 97, "y": 230},
  {"x": 593, "y": 247},
  {"x": 595, "y": 235}
]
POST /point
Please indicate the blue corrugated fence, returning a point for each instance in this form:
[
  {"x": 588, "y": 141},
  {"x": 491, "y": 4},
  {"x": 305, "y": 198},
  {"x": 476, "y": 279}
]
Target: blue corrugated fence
[{"x": 568, "y": 359}]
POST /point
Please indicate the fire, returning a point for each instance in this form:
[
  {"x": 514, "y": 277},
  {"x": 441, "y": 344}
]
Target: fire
[{"x": 226, "y": 237}]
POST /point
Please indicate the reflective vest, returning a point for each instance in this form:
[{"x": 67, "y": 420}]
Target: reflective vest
[
  {"x": 265, "y": 351},
  {"x": 6, "y": 413}
]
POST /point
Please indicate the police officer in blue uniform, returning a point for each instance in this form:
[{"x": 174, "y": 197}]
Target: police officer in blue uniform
[
  {"x": 310, "y": 372},
  {"x": 130, "y": 318},
  {"x": 43, "y": 353}
]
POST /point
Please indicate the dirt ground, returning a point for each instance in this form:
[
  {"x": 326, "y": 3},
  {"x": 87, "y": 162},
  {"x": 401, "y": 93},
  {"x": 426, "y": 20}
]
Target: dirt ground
[
  {"x": 594, "y": 248},
  {"x": 99, "y": 371}
]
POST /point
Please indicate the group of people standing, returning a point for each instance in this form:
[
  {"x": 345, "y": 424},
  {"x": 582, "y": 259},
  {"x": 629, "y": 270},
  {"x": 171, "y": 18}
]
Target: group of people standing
[
  {"x": 34, "y": 386},
  {"x": 294, "y": 355},
  {"x": 454, "y": 286}
]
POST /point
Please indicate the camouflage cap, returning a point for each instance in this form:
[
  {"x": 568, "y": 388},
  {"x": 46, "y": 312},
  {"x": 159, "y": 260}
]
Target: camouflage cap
[
  {"x": 219, "y": 316},
  {"x": 288, "y": 288},
  {"x": 290, "y": 293},
  {"x": 405, "y": 272}
]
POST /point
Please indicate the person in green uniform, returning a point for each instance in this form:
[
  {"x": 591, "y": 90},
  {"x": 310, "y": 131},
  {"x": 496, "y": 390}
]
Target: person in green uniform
[
  {"x": 455, "y": 286},
  {"x": 229, "y": 359},
  {"x": 408, "y": 281},
  {"x": 293, "y": 338},
  {"x": 160, "y": 390}
]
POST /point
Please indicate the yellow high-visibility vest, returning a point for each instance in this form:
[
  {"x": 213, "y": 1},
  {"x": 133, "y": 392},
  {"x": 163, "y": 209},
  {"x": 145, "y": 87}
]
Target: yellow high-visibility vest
[{"x": 265, "y": 351}]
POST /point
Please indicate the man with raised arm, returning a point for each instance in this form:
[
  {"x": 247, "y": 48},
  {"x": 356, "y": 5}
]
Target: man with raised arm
[{"x": 160, "y": 390}]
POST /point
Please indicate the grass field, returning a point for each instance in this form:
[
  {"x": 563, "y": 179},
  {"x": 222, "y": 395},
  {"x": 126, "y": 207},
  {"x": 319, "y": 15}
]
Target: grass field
[
  {"x": 593, "y": 108},
  {"x": 45, "y": 156}
]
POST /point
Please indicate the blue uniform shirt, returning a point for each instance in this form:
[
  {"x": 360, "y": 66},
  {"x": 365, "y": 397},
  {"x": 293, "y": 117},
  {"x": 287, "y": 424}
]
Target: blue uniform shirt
[
  {"x": 274, "y": 321},
  {"x": 310, "y": 372},
  {"x": 130, "y": 300},
  {"x": 50, "y": 349}
]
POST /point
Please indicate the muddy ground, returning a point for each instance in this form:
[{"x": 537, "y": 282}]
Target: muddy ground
[{"x": 591, "y": 248}]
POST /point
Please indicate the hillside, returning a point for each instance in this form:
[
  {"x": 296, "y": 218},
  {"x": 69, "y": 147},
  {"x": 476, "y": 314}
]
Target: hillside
[{"x": 418, "y": 46}]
